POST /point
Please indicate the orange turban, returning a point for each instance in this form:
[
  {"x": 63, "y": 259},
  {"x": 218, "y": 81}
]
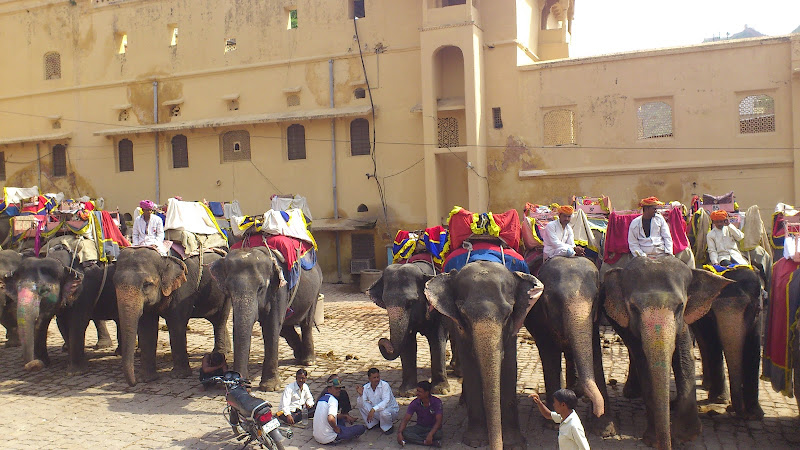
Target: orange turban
[
  {"x": 719, "y": 215},
  {"x": 651, "y": 201},
  {"x": 566, "y": 209}
]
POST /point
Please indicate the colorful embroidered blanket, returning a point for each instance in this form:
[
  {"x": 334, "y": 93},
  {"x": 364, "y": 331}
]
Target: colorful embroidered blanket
[
  {"x": 784, "y": 300},
  {"x": 463, "y": 224},
  {"x": 290, "y": 248},
  {"x": 779, "y": 224},
  {"x": 721, "y": 270},
  {"x": 616, "y": 243},
  {"x": 434, "y": 240},
  {"x": 485, "y": 251}
]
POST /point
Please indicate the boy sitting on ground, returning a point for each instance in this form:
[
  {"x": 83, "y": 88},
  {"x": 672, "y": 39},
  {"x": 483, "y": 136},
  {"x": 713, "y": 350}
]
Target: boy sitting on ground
[{"x": 213, "y": 365}]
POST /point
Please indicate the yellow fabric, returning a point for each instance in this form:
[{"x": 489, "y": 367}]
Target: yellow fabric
[
  {"x": 711, "y": 268},
  {"x": 406, "y": 250}
]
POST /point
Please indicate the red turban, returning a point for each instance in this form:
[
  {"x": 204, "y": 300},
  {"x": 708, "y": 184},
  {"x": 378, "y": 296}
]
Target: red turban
[
  {"x": 566, "y": 209},
  {"x": 719, "y": 215},
  {"x": 651, "y": 201}
]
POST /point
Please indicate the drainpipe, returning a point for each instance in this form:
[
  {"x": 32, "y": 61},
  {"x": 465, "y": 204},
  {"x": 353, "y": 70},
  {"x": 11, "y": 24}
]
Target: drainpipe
[
  {"x": 333, "y": 165},
  {"x": 38, "y": 166},
  {"x": 155, "y": 121}
]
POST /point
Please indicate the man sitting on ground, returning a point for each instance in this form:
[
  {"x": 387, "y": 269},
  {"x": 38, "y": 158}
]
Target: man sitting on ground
[
  {"x": 559, "y": 239},
  {"x": 428, "y": 429},
  {"x": 722, "y": 239},
  {"x": 212, "y": 365},
  {"x": 329, "y": 425},
  {"x": 295, "y": 396},
  {"x": 344, "y": 400},
  {"x": 648, "y": 234},
  {"x": 376, "y": 402}
]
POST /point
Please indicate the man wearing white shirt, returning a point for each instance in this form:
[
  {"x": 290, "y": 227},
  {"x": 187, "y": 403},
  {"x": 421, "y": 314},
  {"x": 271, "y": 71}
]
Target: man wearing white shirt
[
  {"x": 376, "y": 402},
  {"x": 648, "y": 234},
  {"x": 559, "y": 239},
  {"x": 148, "y": 229},
  {"x": 295, "y": 396},
  {"x": 722, "y": 241},
  {"x": 571, "y": 435},
  {"x": 330, "y": 426}
]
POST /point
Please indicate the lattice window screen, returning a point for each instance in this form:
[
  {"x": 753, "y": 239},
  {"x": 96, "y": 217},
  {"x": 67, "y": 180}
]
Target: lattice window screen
[
  {"x": 180, "y": 152},
  {"x": 655, "y": 120},
  {"x": 757, "y": 114},
  {"x": 296, "y": 141},
  {"x": 359, "y": 137},
  {"x": 293, "y": 100},
  {"x": 59, "y": 158},
  {"x": 235, "y": 146},
  {"x": 448, "y": 132},
  {"x": 125, "y": 155},
  {"x": 52, "y": 66},
  {"x": 559, "y": 127}
]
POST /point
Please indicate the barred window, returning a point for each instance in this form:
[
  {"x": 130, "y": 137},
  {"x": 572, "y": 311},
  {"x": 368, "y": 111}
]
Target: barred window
[
  {"x": 359, "y": 137},
  {"x": 655, "y": 120},
  {"x": 559, "y": 127},
  {"x": 52, "y": 66},
  {"x": 497, "y": 117},
  {"x": 59, "y": 155},
  {"x": 125, "y": 154},
  {"x": 757, "y": 114},
  {"x": 448, "y": 132},
  {"x": 296, "y": 139},
  {"x": 2, "y": 165},
  {"x": 235, "y": 146},
  {"x": 180, "y": 152},
  {"x": 293, "y": 100}
]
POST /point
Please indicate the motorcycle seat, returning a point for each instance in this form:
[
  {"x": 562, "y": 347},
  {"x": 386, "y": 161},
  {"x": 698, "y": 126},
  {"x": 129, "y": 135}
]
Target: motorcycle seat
[{"x": 246, "y": 403}]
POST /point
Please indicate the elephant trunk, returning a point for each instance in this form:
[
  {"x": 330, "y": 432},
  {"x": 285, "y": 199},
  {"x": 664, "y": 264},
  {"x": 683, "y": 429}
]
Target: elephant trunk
[
  {"x": 580, "y": 332},
  {"x": 732, "y": 336},
  {"x": 488, "y": 347},
  {"x": 131, "y": 307},
  {"x": 244, "y": 317},
  {"x": 398, "y": 333},
  {"x": 658, "y": 341},
  {"x": 27, "y": 314}
]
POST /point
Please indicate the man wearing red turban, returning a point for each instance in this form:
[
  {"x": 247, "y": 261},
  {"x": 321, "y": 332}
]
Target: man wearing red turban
[
  {"x": 648, "y": 234},
  {"x": 722, "y": 241},
  {"x": 559, "y": 239}
]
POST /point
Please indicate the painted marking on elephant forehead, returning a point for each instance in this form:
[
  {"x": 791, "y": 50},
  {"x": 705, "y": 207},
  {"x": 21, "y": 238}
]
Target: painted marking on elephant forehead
[
  {"x": 395, "y": 312},
  {"x": 26, "y": 296}
]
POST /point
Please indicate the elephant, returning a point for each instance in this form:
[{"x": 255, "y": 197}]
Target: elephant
[
  {"x": 401, "y": 292},
  {"x": 147, "y": 285},
  {"x": 252, "y": 280},
  {"x": 487, "y": 304},
  {"x": 650, "y": 303},
  {"x": 9, "y": 263},
  {"x": 738, "y": 307},
  {"x": 566, "y": 320}
]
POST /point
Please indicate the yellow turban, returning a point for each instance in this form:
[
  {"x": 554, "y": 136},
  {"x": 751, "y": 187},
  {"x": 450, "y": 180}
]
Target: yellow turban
[
  {"x": 566, "y": 209},
  {"x": 651, "y": 201},
  {"x": 719, "y": 215}
]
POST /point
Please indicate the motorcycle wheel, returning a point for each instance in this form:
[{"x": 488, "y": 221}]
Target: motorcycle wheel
[
  {"x": 267, "y": 441},
  {"x": 234, "y": 421}
]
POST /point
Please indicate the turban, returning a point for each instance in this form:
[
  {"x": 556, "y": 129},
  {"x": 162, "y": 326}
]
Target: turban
[
  {"x": 566, "y": 209},
  {"x": 651, "y": 201},
  {"x": 147, "y": 204},
  {"x": 719, "y": 215}
]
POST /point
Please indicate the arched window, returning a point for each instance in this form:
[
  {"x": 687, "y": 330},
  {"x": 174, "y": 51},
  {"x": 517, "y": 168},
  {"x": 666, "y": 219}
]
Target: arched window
[
  {"x": 359, "y": 137},
  {"x": 655, "y": 120},
  {"x": 296, "y": 140},
  {"x": 180, "y": 152},
  {"x": 59, "y": 155},
  {"x": 125, "y": 155},
  {"x": 235, "y": 146},
  {"x": 559, "y": 127},
  {"x": 52, "y": 66},
  {"x": 757, "y": 114}
]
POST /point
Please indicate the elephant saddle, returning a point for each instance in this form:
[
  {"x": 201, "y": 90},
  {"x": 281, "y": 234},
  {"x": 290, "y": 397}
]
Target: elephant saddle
[{"x": 296, "y": 254}]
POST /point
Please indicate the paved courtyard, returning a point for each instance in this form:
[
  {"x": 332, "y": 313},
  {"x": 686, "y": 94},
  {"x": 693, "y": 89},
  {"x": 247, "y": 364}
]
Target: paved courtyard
[{"x": 99, "y": 410}]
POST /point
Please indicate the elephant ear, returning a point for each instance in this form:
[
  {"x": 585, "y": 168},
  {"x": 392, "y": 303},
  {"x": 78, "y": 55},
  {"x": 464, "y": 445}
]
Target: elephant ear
[
  {"x": 440, "y": 294},
  {"x": 529, "y": 289},
  {"x": 613, "y": 299},
  {"x": 70, "y": 286},
  {"x": 173, "y": 275},
  {"x": 376, "y": 292},
  {"x": 219, "y": 273},
  {"x": 703, "y": 290}
]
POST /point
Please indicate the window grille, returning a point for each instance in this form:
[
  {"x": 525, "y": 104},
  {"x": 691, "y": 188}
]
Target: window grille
[
  {"x": 359, "y": 137},
  {"x": 59, "y": 155},
  {"x": 123, "y": 115},
  {"x": 559, "y": 127},
  {"x": 293, "y": 100},
  {"x": 125, "y": 147},
  {"x": 52, "y": 66},
  {"x": 757, "y": 114},
  {"x": 233, "y": 105},
  {"x": 229, "y": 148},
  {"x": 360, "y": 93},
  {"x": 296, "y": 139},
  {"x": 448, "y": 132},
  {"x": 497, "y": 117},
  {"x": 230, "y": 45},
  {"x": 56, "y": 124},
  {"x": 180, "y": 152},
  {"x": 175, "y": 110},
  {"x": 655, "y": 120},
  {"x": 2, "y": 165}
]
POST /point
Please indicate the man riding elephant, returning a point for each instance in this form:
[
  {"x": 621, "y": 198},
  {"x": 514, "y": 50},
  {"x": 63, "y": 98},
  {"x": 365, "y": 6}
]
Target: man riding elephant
[
  {"x": 648, "y": 234},
  {"x": 722, "y": 241},
  {"x": 559, "y": 239}
]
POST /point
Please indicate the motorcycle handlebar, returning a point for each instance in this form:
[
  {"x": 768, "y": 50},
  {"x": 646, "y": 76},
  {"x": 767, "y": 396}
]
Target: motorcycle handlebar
[{"x": 236, "y": 381}]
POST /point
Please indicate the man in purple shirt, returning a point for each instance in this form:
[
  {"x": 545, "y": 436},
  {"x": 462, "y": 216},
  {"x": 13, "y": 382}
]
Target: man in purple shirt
[{"x": 428, "y": 429}]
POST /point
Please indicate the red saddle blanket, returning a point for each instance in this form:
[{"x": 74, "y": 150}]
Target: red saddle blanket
[
  {"x": 461, "y": 225},
  {"x": 616, "y": 243},
  {"x": 287, "y": 246},
  {"x": 781, "y": 320}
]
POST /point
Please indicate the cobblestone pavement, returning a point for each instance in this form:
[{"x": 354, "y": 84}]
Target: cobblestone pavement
[{"x": 51, "y": 410}]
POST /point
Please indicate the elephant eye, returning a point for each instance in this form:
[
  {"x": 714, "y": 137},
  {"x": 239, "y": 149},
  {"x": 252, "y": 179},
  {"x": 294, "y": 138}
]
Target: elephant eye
[
  {"x": 149, "y": 285},
  {"x": 679, "y": 309}
]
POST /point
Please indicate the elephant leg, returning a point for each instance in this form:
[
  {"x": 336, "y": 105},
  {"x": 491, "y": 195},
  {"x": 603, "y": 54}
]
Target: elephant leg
[
  {"x": 550, "y": 354},
  {"x": 640, "y": 371},
  {"x": 476, "y": 434},
  {"x": 293, "y": 339},
  {"x": 40, "y": 344},
  {"x": 686, "y": 424},
  {"x": 751, "y": 362},
  {"x": 571, "y": 376},
  {"x": 307, "y": 355},
  {"x": 509, "y": 408},
  {"x": 437, "y": 344},
  {"x": 270, "y": 380},
  {"x": 222, "y": 337},
  {"x": 103, "y": 336},
  {"x": 8, "y": 319},
  {"x": 603, "y": 425},
  {"x": 77, "y": 339},
  {"x": 408, "y": 361},
  {"x": 633, "y": 385},
  {"x": 177, "y": 344},
  {"x": 148, "y": 340},
  {"x": 705, "y": 331},
  {"x": 62, "y": 321}
]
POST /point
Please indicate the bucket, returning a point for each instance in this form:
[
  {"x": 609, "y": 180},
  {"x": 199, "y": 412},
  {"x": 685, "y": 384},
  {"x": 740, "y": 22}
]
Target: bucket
[
  {"x": 368, "y": 278},
  {"x": 319, "y": 314}
]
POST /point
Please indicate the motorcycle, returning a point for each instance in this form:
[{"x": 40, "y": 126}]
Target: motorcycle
[{"x": 253, "y": 416}]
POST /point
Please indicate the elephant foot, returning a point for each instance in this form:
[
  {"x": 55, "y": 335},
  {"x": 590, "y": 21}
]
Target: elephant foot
[
  {"x": 35, "y": 365},
  {"x": 117, "y": 352},
  {"x": 602, "y": 426},
  {"x": 649, "y": 437},
  {"x": 309, "y": 361},
  {"x": 632, "y": 390},
  {"x": 272, "y": 384},
  {"x": 715, "y": 396},
  {"x": 686, "y": 430},
  {"x": 441, "y": 388},
  {"x": 103, "y": 343},
  {"x": 12, "y": 343},
  {"x": 183, "y": 372},
  {"x": 65, "y": 348},
  {"x": 755, "y": 412},
  {"x": 148, "y": 377},
  {"x": 478, "y": 437},
  {"x": 513, "y": 439},
  {"x": 77, "y": 369}
]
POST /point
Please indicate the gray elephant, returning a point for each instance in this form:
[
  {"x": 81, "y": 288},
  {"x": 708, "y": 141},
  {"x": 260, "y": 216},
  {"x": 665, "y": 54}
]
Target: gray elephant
[
  {"x": 487, "y": 304},
  {"x": 650, "y": 303},
  {"x": 252, "y": 279},
  {"x": 9, "y": 263},
  {"x": 148, "y": 285},
  {"x": 566, "y": 320},
  {"x": 732, "y": 326},
  {"x": 401, "y": 292}
]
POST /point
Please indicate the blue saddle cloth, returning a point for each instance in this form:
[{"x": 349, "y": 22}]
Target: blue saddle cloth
[
  {"x": 307, "y": 262},
  {"x": 459, "y": 260}
]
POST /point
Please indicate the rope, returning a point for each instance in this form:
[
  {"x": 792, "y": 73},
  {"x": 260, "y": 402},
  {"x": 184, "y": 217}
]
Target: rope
[{"x": 102, "y": 283}]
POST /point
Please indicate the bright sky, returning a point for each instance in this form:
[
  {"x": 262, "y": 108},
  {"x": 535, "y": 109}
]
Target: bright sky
[{"x": 603, "y": 26}]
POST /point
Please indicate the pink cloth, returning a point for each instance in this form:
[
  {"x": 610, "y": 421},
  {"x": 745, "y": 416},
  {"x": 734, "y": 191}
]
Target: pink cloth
[
  {"x": 616, "y": 243},
  {"x": 677, "y": 229}
]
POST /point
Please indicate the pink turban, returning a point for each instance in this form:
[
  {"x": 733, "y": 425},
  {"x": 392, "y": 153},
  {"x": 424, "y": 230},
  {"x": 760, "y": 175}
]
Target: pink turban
[{"x": 147, "y": 204}]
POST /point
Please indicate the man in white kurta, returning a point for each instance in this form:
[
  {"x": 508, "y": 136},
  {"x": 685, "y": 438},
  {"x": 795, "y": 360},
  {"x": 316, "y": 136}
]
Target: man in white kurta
[
  {"x": 648, "y": 234},
  {"x": 295, "y": 396},
  {"x": 559, "y": 239},
  {"x": 148, "y": 229},
  {"x": 722, "y": 241},
  {"x": 376, "y": 402}
]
